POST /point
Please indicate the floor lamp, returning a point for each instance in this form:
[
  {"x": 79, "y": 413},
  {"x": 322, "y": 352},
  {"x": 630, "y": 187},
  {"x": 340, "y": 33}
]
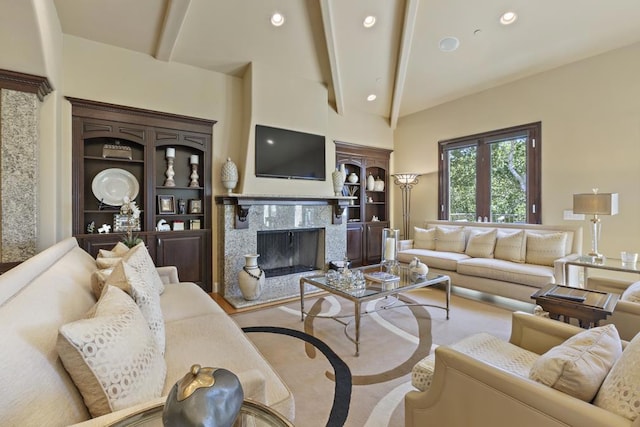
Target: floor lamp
[
  {"x": 406, "y": 181},
  {"x": 595, "y": 204}
]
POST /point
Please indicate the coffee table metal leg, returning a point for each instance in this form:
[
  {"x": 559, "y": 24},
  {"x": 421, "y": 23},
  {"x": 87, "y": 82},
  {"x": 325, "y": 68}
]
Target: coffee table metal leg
[
  {"x": 302, "y": 299},
  {"x": 357, "y": 313},
  {"x": 448, "y": 288}
]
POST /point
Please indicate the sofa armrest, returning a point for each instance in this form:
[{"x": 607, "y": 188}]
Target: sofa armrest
[
  {"x": 539, "y": 334},
  {"x": 123, "y": 414},
  {"x": 626, "y": 318},
  {"x": 465, "y": 390},
  {"x": 168, "y": 274},
  {"x": 607, "y": 285},
  {"x": 403, "y": 245},
  {"x": 559, "y": 270}
]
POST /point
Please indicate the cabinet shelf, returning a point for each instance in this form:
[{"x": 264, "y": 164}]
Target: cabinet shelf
[
  {"x": 162, "y": 187},
  {"x": 112, "y": 159}
]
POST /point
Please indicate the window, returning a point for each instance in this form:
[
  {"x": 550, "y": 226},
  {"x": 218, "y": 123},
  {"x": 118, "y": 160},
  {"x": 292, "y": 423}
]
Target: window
[{"x": 494, "y": 176}]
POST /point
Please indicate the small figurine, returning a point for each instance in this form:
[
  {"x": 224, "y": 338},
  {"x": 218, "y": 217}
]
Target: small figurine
[
  {"x": 418, "y": 268},
  {"x": 91, "y": 228},
  {"x": 105, "y": 229}
]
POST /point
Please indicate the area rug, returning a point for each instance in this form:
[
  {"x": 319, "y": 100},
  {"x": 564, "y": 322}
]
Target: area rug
[{"x": 391, "y": 342}]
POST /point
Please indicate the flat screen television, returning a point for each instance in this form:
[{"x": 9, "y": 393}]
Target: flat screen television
[{"x": 282, "y": 153}]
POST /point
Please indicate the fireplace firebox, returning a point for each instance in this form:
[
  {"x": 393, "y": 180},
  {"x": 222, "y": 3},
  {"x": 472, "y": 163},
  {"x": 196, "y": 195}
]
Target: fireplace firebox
[{"x": 284, "y": 252}]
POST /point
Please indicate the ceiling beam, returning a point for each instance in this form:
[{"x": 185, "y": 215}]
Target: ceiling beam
[
  {"x": 332, "y": 50},
  {"x": 408, "y": 27},
  {"x": 173, "y": 22}
]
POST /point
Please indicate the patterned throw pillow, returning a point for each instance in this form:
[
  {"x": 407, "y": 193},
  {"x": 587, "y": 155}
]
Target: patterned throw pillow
[
  {"x": 543, "y": 249},
  {"x": 481, "y": 243},
  {"x": 98, "y": 279},
  {"x": 450, "y": 239},
  {"x": 424, "y": 238},
  {"x": 510, "y": 246},
  {"x": 112, "y": 356},
  {"x": 580, "y": 364},
  {"x": 134, "y": 276},
  {"x": 619, "y": 392}
]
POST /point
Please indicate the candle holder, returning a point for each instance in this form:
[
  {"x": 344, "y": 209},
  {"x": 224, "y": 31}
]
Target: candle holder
[
  {"x": 170, "y": 155},
  {"x": 194, "y": 160},
  {"x": 389, "y": 258}
]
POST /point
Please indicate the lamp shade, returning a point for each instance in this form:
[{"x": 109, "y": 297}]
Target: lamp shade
[{"x": 595, "y": 204}]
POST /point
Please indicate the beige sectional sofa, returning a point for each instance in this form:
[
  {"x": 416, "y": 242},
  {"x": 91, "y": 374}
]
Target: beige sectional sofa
[
  {"x": 507, "y": 260},
  {"x": 54, "y": 288}
]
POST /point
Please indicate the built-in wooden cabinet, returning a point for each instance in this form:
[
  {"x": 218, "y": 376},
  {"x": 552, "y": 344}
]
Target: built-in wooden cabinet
[
  {"x": 368, "y": 213},
  {"x": 175, "y": 221}
]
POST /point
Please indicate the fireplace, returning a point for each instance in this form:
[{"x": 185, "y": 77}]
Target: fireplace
[{"x": 285, "y": 252}]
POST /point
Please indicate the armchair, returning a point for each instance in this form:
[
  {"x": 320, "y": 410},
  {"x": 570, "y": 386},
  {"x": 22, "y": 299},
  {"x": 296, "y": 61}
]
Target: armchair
[
  {"x": 626, "y": 315},
  {"x": 466, "y": 391}
]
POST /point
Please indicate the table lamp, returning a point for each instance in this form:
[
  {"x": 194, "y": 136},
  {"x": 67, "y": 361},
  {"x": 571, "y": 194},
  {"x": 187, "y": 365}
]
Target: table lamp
[{"x": 595, "y": 204}]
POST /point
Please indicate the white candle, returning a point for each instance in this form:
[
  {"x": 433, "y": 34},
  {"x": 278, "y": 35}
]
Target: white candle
[
  {"x": 389, "y": 249},
  {"x": 194, "y": 159},
  {"x": 171, "y": 152}
]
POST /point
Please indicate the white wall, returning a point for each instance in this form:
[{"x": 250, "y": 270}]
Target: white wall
[{"x": 590, "y": 114}]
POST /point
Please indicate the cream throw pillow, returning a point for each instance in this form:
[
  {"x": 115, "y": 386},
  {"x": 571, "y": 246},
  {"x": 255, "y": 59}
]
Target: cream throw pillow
[
  {"x": 424, "y": 238},
  {"x": 481, "y": 243},
  {"x": 98, "y": 279},
  {"x": 619, "y": 392},
  {"x": 118, "y": 251},
  {"x": 543, "y": 249},
  {"x": 112, "y": 356},
  {"x": 104, "y": 262},
  {"x": 632, "y": 293},
  {"x": 137, "y": 281},
  {"x": 580, "y": 364},
  {"x": 510, "y": 246},
  {"x": 450, "y": 239}
]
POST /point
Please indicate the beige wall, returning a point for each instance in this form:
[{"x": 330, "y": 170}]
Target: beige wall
[{"x": 590, "y": 114}]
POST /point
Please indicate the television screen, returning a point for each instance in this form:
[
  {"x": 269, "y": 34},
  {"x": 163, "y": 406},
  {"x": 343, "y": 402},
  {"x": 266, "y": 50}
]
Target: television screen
[{"x": 282, "y": 153}]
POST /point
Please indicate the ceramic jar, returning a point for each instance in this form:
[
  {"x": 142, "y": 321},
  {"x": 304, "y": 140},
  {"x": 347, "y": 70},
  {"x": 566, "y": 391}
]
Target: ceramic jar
[
  {"x": 251, "y": 278},
  {"x": 378, "y": 184},
  {"x": 229, "y": 175},
  {"x": 371, "y": 183},
  {"x": 338, "y": 182},
  {"x": 353, "y": 178}
]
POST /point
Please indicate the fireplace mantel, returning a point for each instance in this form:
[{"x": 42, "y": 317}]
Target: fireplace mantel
[{"x": 243, "y": 203}]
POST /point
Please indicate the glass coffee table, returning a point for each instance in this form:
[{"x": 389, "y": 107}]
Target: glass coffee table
[
  {"x": 374, "y": 290},
  {"x": 252, "y": 413}
]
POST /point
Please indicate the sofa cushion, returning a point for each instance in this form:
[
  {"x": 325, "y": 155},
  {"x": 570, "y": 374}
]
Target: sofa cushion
[
  {"x": 544, "y": 249},
  {"x": 619, "y": 392},
  {"x": 481, "y": 244},
  {"x": 186, "y": 299},
  {"x": 537, "y": 276},
  {"x": 483, "y": 347},
  {"x": 510, "y": 246},
  {"x": 138, "y": 282},
  {"x": 580, "y": 364},
  {"x": 632, "y": 293},
  {"x": 450, "y": 239},
  {"x": 441, "y": 260},
  {"x": 111, "y": 355},
  {"x": 424, "y": 238}
]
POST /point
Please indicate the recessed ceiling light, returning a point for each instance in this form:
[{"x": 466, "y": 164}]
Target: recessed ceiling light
[
  {"x": 371, "y": 97},
  {"x": 277, "y": 19},
  {"x": 448, "y": 44},
  {"x": 369, "y": 21},
  {"x": 508, "y": 18}
]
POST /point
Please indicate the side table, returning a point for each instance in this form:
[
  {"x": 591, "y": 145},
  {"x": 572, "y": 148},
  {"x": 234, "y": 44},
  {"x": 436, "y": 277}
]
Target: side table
[
  {"x": 588, "y": 306},
  {"x": 610, "y": 264}
]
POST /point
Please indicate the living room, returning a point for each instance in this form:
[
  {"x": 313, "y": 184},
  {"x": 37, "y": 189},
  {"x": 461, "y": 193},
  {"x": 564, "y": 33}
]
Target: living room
[{"x": 589, "y": 110}]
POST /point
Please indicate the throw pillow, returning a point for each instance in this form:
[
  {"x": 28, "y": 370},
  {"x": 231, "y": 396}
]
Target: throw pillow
[
  {"x": 543, "y": 249},
  {"x": 481, "y": 243},
  {"x": 619, "y": 392},
  {"x": 450, "y": 239},
  {"x": 138, "y": 282},
  {"x": 111, "y": 355},
  {"x": 580, "y": 364},
  {"x": 632, "y": 293},
  {"x": 116, "y": 252},
  {"x": 510, "y": 246},
  {"x": 98, "y": 279},
  {"x": 424, "y": 238},
  {"x": 104, "y": 262}
]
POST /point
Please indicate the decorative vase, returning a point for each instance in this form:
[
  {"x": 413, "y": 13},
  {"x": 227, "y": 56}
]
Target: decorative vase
[
  {"x": 338, "y": 182},
  {"x": 371, "y": 182},
  {"x": 343, "y": 170},
  {"x": 378, "y": 184},
  {"x": 251, "y": 278},
  {"x": 353, "y": 178},
  {"x": 229, "y": 175}
]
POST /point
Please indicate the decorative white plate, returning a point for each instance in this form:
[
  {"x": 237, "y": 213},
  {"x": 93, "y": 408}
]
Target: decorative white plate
[{"x": 111, "y": 185}]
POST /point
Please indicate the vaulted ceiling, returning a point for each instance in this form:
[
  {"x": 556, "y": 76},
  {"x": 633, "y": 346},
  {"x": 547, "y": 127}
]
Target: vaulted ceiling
[{"x": 398, "y": 59}]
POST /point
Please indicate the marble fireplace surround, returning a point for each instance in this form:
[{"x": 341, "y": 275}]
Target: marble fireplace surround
[{"x": 241, "y": 216}]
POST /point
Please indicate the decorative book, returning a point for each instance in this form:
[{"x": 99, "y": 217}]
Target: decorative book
[{"x": 381, "y": 277}]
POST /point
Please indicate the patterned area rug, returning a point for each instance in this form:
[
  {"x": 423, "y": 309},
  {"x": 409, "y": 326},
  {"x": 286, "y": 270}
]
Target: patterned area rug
[{"x": 391, "y": 342}]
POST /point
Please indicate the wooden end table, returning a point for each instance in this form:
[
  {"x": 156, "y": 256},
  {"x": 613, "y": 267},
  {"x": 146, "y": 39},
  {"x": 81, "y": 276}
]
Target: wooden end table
[{"x": 588, "y": 306}]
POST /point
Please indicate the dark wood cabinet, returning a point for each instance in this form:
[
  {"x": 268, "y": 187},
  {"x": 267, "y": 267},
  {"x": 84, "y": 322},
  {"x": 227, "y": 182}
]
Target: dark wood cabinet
[
  {"x": 368, "y": 213},
  {"x": 122, "y": 150}
]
